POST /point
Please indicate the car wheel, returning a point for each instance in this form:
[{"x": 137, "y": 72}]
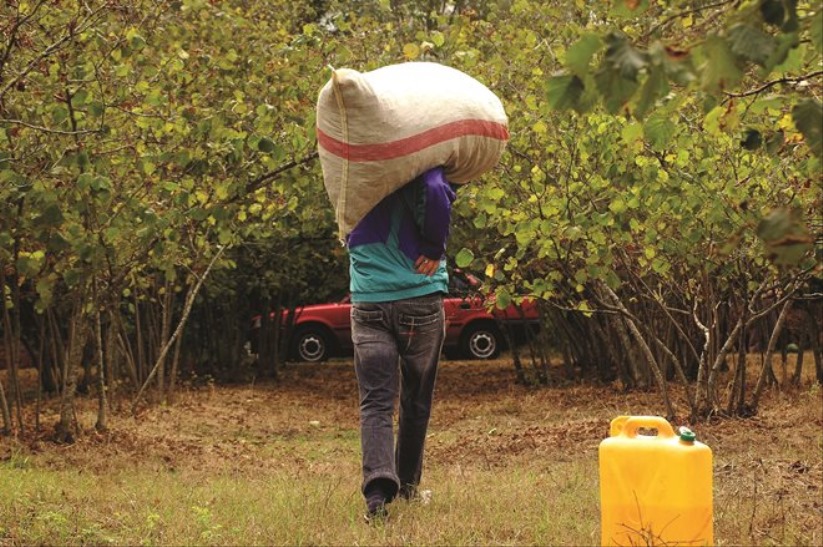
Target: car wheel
[
  {"x": 481, "y": 341},
  {"x": 311, "y": 344}
]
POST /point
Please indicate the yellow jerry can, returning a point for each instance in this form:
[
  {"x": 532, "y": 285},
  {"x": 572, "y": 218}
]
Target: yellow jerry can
[{"x": 655, "y": 485}]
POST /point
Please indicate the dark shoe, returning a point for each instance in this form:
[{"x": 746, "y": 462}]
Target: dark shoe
[
  {"x": 413, "y": 494},
  {"x": 376, "y": 513}
]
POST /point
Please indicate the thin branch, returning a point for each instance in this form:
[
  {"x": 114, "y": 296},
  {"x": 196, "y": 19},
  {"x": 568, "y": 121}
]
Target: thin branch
[
  {"x": 90, "y": 21},
  {"x": 12, "y": 35},
  {"x": 685, "y": 13},
  {"x": 186, "y": 311},
  {"x": 48, "y": 129},
  {"x": 767, "y": 85},
  {"x": 257, "y": 183}
]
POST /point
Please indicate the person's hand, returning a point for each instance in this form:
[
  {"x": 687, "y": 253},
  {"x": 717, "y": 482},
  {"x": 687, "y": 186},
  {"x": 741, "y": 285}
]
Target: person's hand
[{"x": 425, "y": 265}]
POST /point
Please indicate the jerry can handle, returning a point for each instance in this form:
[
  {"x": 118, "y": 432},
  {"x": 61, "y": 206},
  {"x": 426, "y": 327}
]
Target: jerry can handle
[{"x": 634, "y": 423}]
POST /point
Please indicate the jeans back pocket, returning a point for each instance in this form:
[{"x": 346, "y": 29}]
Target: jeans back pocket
[{"x": 366, "y": 317}]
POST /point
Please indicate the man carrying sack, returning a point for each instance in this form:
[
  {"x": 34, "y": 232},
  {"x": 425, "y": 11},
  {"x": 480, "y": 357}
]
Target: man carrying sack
[
  {"x": 392, "y": 143},
  {"x": 398, "y": 279}
]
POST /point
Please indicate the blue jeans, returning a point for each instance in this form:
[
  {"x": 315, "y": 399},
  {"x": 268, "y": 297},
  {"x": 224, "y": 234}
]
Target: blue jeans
[{"x": 396, "y": 345}]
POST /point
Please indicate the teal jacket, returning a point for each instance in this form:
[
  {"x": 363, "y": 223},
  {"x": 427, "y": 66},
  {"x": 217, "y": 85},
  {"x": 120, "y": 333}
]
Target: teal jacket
[{"x": 383, "y": 247}]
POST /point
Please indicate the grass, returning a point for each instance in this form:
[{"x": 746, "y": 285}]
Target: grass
[
  {"x": 279, "y": 465},
  {"x": 276, "y": 508}
]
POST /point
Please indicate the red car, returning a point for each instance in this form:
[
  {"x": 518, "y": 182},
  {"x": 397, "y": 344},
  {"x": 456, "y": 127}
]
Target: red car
[{"x": 472, "y": 332}]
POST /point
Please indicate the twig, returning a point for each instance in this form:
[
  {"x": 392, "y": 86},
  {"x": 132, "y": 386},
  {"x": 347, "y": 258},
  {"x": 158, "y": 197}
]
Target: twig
[
  {"x": 256, "y": 183},
  {"x": 82, "y": 27},
  {"x": 48, "y": 129},
  {"x": 773, "y": 83},
  {"x": 186, "y": 310},
  {"x": 684, "y": 13}
]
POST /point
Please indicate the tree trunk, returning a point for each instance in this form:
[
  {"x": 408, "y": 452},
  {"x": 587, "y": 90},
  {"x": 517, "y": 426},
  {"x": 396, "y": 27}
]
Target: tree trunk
[
  {"x": 113, "y": 370},
  {"x": 177, "y": 332},
  {"x": 4, "y": 406},
  {"x": 167, "y": 310},
  {"x": 11, "y": 342},
  {"x": 629, "y": 364},
  {"x": 645, "y": 349},
  {"x": 140, "y": 362},
  {"x": 102, "y": 405},
  {"x": 798, "y": 365},
  {"x": 172, "y": 383},
  {"x": 767, "y": 364},
  {"x": 680, "y": 373},
  {"x": 67, "y": 426},
  {"x": 122, "y": 339},
  {"x": 702, "y": 364},
  {"x": 711, "y": 396},
  {"x": 737, "y": 396}
]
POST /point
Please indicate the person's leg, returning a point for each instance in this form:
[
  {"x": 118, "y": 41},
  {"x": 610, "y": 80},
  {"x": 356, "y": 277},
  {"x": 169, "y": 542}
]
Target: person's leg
[
  {"x": 375, "y": 362},
  {"x": 421, "y": 326}
]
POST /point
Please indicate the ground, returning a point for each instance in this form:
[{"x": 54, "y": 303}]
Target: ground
[{"x": 481, "y": 418}]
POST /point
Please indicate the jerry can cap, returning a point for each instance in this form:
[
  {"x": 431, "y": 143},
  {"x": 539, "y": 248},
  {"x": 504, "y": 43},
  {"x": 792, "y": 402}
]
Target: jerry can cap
[{"x": 686, "y": 434}]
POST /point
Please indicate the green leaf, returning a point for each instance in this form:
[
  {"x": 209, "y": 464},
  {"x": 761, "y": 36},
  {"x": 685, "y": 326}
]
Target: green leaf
[
  {"x": 629, "y": 8},
  {"x": 464, "y": 258},
  {"x": 72, "y": 277},
  {"x": 96, "y": 109},
  {"x": 29, "y": 264},
  {"x": 579, "y": 55},
  {"x": 79, "y": 98},
  {"x": 503, "y": 299},
  {"x": 678, "y": 65},
  {"x": 655, "y": 87},
  {"x": 616, "y": 90},
  {"x": 617, "y": 206},
  {"x": 632, "y": 133},
  {"x": 45, "y": 290},
  {"x": 659, "y": 129},
  {"x": 81, "y": 160},
  {"x": 784, "y": 45},
  {"x": 59, "y": 114},
  {"x": 775, "y": 142},
  {"x": 790, "y": 22},
  {"x": 137, "y": 42},
  {"x": 785, "y": 235},
  {"x": 808, "y": 117},
  {"x": 721, "y": 70},
  {"x": 752, "y": 139},
  {"x": 780, "y": 13},
  {"x": 773, "y": 12},
  {"x": 147, "y": 166},
  {"x": 816, "y": 31},
  {"x": 84, "y": 181},
  {"x": 266, "y": 145},
  {"x": 101, "y": 184},
  {"x": 565, "y": 92},
  {"x": 622, "y": 56},
  {"x": 50, "y": 216},
  {"x": 751, "y": 43}
]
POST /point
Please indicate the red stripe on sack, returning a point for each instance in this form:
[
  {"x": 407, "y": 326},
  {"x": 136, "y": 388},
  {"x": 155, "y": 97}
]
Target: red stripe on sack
[{"x": 409, "y": 145}]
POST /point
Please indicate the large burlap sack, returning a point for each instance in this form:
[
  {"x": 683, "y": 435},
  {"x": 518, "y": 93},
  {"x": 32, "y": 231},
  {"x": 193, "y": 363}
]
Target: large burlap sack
[{"x": 378, "y": 130}]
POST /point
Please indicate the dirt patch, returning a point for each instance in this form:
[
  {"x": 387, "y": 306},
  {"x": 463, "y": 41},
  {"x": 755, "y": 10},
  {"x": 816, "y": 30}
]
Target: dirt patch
[
  {"x": 480, "y": 416},
  {"x": 768, "y": 469}
]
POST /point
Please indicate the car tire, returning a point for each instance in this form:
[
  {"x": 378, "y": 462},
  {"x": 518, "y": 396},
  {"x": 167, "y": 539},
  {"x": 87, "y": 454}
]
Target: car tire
[
  {"x": 481, "y": 341},
  {"x": 311, "y": 344}
]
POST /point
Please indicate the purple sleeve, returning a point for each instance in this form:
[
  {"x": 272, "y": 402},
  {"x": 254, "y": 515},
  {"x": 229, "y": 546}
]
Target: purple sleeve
[{"x": 434, "y": 213}]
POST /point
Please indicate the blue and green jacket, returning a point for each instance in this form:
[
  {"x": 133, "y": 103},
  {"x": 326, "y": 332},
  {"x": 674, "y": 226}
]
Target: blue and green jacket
[{"x": 383, "y": 247}]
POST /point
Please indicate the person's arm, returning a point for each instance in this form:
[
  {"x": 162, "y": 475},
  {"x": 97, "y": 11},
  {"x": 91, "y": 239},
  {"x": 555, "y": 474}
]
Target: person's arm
[{"x": 433, "y": 213}]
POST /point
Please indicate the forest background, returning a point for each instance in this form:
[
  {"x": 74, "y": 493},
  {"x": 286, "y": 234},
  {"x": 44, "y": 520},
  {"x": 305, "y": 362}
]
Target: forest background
[
  {"x": 660, "y": 200},
  {"x": 660, "y": 196}
]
